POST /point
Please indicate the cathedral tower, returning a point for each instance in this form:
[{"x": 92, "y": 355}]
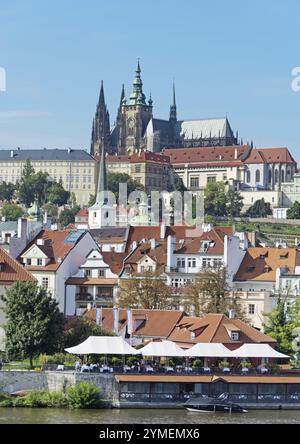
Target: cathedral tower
[
  {"x": 134, "y": 117},
  {"x": 101, "y": 126}
]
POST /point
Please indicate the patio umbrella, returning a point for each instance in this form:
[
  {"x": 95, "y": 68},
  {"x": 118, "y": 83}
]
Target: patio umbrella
[
  {"x": 258, "y": 351},
  {"x": 209, "y": 350},
  {"x": 162, "y": 349},
  {"x": 103, "y": 345}
]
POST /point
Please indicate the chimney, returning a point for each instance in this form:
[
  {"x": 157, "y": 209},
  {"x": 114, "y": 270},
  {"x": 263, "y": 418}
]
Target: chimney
[
  {"x": 12, "y": 154},
  {"x": 89, "y": 307},
  {"x": 171, "y": 245},
  {"x": 163, "y": 231},
  {"x": 22, "y": 228},
  {"x": 236, "y": 153},
  {"x": 40, "y": 242},
  {"x": 153, "y": 244},
  {"x": 232, "y": 314}
]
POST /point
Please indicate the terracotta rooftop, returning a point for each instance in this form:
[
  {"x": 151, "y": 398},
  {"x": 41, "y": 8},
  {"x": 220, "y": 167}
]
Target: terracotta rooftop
[
  {"x": 147, "y": 156},
  {"x": 214, "y": 328},
  {"x": 270, "y": 155},
  {"x": 146, "y": 323},
  {"x": 260, "y": 264},
  {"x": 83, "y": 212},
  {"x": 12, "y": 271},
  {"x": 57, "y": 245},
  {"x": 217, "y": 155},
  {"x": 211, "y": 242}
]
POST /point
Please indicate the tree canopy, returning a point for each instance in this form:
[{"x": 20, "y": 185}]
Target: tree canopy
[
  {"x": 12, "y": 211},
  {"x": 210, "y": 293},
  {"x": 260, "y": 208},
  {"x": 294, "y": 211},
  {"x": 57, "y": 195},
  {"x": 150, "y": 292},
  {"x": 7, "y": 191},
  {"x": 34, "y": 324},
  {"x": 81, "y": 330},
  {"x": 219, "y": 203}
]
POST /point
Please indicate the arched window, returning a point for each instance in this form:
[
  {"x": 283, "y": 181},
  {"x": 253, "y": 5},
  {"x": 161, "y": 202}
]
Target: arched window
[
  {"x": 248, "y": 176},
  {"x": 270, "y": 176},
  {"x": 257, "y": 176},
  {"x": 276, "y": 176},
  {"x": 282, "y": 176}
]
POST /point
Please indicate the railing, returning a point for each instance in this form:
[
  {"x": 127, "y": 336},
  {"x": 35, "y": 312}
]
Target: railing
[{"x": 243, "y": 398}]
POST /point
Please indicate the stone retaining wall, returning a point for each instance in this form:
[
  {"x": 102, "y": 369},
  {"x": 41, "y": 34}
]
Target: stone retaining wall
[{"x": 13, "y": 381}]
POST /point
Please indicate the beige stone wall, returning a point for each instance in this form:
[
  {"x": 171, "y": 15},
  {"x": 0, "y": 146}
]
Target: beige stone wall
[
  {"x": 205, "y": 175},
  {"x": 77, "y": 177},
  {"x": 272, "y": 197}
]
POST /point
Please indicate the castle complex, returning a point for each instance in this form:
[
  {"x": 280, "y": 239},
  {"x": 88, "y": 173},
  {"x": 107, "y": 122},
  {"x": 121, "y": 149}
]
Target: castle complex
[{"x": 136, "y": 128}]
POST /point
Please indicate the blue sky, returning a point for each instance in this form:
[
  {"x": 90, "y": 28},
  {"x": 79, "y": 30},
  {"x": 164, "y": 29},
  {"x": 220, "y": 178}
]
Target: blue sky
[{"x": 226, "y": 57}]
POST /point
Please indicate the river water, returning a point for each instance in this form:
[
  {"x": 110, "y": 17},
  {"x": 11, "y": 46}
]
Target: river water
[{"x": 142, "y": 416}]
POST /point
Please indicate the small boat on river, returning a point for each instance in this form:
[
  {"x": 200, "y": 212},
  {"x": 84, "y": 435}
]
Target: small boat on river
[{"x": 206, "y": 404}]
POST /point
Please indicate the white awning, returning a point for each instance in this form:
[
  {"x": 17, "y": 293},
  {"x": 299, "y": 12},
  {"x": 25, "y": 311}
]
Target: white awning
[
  {"x": 163, "y": 349},
  {"x": 257, "y": 351},
  {"x": 209, "y": 350},
  {"x": 103, "y": 345}
]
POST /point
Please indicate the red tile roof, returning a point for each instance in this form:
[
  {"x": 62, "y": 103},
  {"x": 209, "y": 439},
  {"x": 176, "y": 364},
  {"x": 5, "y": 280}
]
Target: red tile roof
[
  {"x": 260, "y": 264},
  {"x": 83, "y": 212},
  {"x": 270, "y": 155},
  {"x": 55, "y": 248},
  {"x": 216, "y": 238},
  {"x": 214, "y": 328},
  {"x": 146, "y": 323},
  {"x": 12, "y": 270},
  {"x": 147, "y": 156},
  {"x": 216, "y": 155}
]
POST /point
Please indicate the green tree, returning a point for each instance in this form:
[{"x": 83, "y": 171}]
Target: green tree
[
  {"x": 234, "y": 203},
  {"x": 148, "y": 293},
  {"x": 294, "y": 211},
  {"x": 7, "y": 191},
  {"x": 12, "y": 211},
  {"x": 260, "y": 208},
  {"x": 84, "y": 396},
  {"x": 57, "y": 195},
  {"x": 92, "y": 200},
  {"x": 81, "y": 330},
  {"x": 114, "y": 179},
  {"x": 66, "y": 218},
  {"x": 280, "y": 324},
  {"x": 32, "y": 185},
  {"x": 210, "y": 293},
  {"x": 215, "y": 199},
  {"x": 34, "y": 324}
]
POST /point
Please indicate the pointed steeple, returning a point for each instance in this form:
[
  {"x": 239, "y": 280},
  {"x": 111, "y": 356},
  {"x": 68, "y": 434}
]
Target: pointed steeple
[
  {"x": 173, "y": 107},
  {"x": 101, "y": 125},
  {"x": 102, "y": 180},
  {"x": 137, "y": 97},
  {"x": 122, "y": 95},
  {"x": 101, "y": 102}
]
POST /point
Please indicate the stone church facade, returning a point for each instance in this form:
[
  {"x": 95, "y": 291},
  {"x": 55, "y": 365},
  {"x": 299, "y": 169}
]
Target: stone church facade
[{"x": 137, "y": 129}]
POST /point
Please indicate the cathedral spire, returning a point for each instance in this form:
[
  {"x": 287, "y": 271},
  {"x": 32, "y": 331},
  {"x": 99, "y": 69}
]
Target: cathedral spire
[
  {"x": 101, "y": 102},
  {"x": 102, "y": 179},
  {"x": 101, "y": 125},
  {"x": 137, "y": 97},
  {"x": 173, "y": 107}
]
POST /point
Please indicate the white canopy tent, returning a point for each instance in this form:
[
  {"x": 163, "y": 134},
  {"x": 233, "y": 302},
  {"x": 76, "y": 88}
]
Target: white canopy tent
[
  {"x": 162, "y": 349},
  {"x": 257, "y": 351},
  {"x": 209, "y": 350},
  {"x": 103, "y": 345}
]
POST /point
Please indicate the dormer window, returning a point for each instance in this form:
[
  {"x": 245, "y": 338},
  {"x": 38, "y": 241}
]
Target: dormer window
[
  {"x": 250, "y": 269},
  {"x": 40, "y": 262},
  {"x": 264, "y": 256},
  {"x": 235, "y": 336},
  {"x": 267, "y": 269}
]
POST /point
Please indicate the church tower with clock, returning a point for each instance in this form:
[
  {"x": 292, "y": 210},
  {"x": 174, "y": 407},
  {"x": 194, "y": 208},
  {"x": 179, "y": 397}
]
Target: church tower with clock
[{"x": 133, "y": 118}]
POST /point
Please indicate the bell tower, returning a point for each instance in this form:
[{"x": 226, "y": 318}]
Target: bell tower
[{"x": 134, "y": 118}]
